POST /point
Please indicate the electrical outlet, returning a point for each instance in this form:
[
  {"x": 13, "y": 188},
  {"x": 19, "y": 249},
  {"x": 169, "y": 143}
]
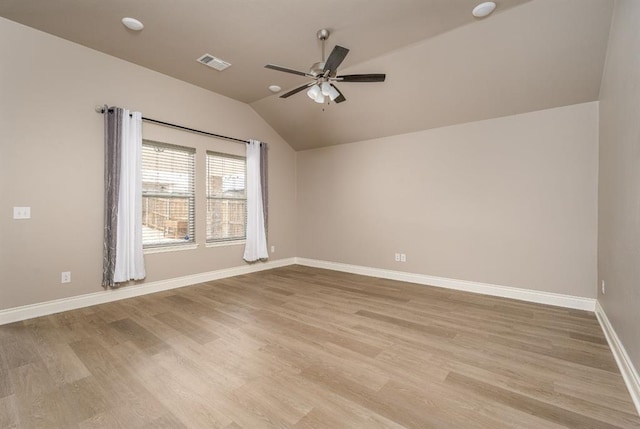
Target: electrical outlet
[
  {"x": 397, "y": 257},
  {"x": 65, "y": 277},
  {"x": 603, "y": 289},
  {"x": 273, "y": 249},
  {"x": 22, "y": 212},
  {"x": 403, "y": 257}
]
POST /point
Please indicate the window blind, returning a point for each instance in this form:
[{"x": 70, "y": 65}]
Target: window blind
[
  {"x": 226, "y": 197},
  {"x": 168, "y": 195}
]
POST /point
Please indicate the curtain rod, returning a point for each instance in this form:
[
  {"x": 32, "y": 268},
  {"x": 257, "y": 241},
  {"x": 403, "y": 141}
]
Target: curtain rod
[{"x": 101, "y": 109}]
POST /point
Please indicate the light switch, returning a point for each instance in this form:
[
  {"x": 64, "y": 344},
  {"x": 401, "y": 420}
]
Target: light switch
[{"x": 22, "y": 212}]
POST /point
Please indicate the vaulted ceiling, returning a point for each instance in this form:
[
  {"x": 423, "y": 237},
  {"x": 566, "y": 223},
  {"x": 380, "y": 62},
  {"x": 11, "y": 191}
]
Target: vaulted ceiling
[{"x": 443, "y": 66}]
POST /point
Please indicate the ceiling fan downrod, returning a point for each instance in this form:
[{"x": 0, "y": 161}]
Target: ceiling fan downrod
[
  {"x": 317, "y": 69},
  {"x": 323, "y": 35}
]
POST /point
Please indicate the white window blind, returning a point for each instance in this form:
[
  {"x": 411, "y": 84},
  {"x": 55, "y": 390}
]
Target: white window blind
[
  {"x": 226, "y": 197},
  {"x": 168, "y": 195}
]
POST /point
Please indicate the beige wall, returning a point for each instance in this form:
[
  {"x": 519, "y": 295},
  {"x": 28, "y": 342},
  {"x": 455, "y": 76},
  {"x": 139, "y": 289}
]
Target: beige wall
[
  {"x": 51, "y": 159},
  {"x": 509, "y": 201},
  {"x": 619, "y": 187}
]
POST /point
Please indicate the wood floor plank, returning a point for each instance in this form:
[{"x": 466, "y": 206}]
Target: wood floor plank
[
  {"x": 611, "y": 391},
  {"x": 446, "y": 408},
  {"x": 80, "y": 400},
  {"x": 590, "y": 338},
  {"x": 425, "y": 329},
  {"x": 300, "y": 347},
  {"x": 342, "y": 413},
  {"x": 191, "y": 330},
  {"x": 6, "y": 387},
  {"x": 355, "y": 392},
  {"x": 34, "y": 403},
  {"x": 141, "y": 337},
  {"x": 318, "y": 334},
  {"x": 19, "y": 352},
  {"x": 547, "y": 391},
  {"x": 529, "y": 405},
  {"x": 104, "y": 420},
  {"x": 130, "y": 401},
  {"x": 9, "y": 415},
  {"x": 185, "y": 395}
]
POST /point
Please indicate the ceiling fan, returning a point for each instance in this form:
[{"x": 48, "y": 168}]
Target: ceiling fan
[{"x": 325, "y": 74}]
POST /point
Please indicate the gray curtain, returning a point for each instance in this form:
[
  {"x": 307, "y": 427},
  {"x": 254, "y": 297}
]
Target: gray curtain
[
  {"x": 112, "y": 149},
  {"x": 265, "y": 188}
]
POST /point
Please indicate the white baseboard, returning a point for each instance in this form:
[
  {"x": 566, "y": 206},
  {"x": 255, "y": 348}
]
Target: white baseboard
[
  {"x": 628, "y": 371},
  {"x": 59, "y": 305},
  {"x": 567, "y": 301},
  {"x": 42, "y": 309}
]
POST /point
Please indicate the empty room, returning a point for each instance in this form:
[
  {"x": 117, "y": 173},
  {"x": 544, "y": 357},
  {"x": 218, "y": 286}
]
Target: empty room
[{"x": 339, "y": 214}]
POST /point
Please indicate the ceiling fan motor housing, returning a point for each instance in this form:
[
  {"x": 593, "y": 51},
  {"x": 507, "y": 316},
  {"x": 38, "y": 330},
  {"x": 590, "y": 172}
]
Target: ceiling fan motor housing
[{"x": 317, "y": 69}]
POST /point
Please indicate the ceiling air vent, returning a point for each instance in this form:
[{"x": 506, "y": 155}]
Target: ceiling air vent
[{"x": 213, "y": 62}]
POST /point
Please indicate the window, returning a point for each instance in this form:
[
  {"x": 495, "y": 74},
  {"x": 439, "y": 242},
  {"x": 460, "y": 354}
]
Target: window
[
  {"x": 168, "y": 195},
  {"x": 226, "y": 197}
]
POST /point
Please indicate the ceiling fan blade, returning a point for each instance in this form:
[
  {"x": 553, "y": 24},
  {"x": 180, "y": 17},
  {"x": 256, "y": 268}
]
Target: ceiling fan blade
[
  {"x": 376, "y": 77},
  {"x": 335, "y": 59},
  {"x": 297, "y": 90},
  {"x": 340, "y": 98},
  {"x": 287, "y": 70}
]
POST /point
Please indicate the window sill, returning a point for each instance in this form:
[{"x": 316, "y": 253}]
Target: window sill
[
  {"x": 189, "y": 246},
  {"x": 226, "y": 243}
]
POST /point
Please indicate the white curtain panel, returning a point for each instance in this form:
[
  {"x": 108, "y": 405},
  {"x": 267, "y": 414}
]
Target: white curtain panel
[
  {"x": 129, "y": 257},
  {"x": 256, "y": 244}
]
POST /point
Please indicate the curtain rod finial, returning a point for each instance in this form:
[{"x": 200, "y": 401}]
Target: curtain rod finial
[{"x": 100, "y": 109}]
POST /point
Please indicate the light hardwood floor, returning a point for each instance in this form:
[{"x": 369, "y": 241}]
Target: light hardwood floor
[{"x": 298, "y": 347}]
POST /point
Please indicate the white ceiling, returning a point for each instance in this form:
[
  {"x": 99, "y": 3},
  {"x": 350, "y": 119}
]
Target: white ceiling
[{"x": 443, "y": 66}]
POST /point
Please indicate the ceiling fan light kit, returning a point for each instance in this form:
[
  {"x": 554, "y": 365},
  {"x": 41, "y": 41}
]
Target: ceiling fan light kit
[
  {"x": 329, "y": 91},
  {"x": 324, "y": 74},
  {"x": 316, "y": 94}
]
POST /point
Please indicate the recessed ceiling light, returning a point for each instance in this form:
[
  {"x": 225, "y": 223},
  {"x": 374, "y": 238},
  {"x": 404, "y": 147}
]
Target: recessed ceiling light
[
  {"x": 132, "y": 24},
  {"x": 274, "y": 88},
  {"x": 484, "y": 9}
]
